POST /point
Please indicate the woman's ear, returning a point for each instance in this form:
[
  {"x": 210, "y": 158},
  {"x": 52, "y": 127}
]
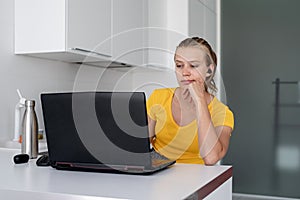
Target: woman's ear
[{"x": 209, "y": 71}]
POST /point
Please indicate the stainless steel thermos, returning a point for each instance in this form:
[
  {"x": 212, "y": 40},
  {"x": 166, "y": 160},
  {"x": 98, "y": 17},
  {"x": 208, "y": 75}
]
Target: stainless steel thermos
[{"x": 30, "y": 130}]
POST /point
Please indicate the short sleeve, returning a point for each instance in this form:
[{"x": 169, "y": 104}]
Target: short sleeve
[
  {"x": 221, "y": 115},
  {"x": 229, "y": 118},
  {"x": 150, "y": 105}
]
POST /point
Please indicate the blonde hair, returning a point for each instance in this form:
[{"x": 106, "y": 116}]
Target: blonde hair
[{"x": 210, "y": 58}]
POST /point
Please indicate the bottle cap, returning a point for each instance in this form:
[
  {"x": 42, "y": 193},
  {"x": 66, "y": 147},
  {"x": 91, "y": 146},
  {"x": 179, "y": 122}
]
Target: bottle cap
[
  {"x": 22, "y": 101},
  {"x": 29, "y": 102}
]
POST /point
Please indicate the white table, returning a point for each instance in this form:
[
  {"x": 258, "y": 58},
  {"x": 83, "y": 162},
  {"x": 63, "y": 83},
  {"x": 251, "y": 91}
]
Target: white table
[{"x": 27, "y": 181}]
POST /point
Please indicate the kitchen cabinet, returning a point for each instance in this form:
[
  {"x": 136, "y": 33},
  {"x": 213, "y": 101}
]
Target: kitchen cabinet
[
  {"x": 129, "y": 26},
  {"x": 111, "y": 32},
  {"x": 100, "y": 33},
  {"x": 67, "y": 30},
  {"x": 175, "y": 20}
]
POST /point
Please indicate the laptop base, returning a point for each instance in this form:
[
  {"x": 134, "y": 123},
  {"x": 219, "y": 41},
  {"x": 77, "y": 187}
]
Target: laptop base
[{"x": 106, "y": 169}]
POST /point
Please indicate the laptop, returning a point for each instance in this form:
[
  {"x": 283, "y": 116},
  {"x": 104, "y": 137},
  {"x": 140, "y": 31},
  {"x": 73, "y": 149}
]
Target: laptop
[{"x": 100, "y": 131}]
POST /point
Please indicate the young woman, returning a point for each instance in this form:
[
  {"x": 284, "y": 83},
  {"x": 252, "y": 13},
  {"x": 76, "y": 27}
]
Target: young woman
[{"x": 187, "y": 123}]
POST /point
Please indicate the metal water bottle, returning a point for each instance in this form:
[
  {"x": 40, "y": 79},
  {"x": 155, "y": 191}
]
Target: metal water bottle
[{"x": 30, "y": 130}]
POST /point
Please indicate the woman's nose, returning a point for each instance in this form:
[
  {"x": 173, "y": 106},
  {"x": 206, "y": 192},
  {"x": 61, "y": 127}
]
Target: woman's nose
[{"x": 185, "y": 71}]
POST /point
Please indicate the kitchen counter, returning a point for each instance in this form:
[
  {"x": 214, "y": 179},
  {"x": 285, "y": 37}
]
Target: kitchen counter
[{"x": 27, "y": 181}]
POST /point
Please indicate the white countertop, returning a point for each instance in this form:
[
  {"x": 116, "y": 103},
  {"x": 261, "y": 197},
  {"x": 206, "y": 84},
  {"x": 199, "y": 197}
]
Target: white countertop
[
  {"x": 17, "y": 145},
  {"x": 177, "y": 182}
]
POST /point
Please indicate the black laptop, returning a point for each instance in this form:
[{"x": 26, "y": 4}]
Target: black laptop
[{"x": 99, "y": 131}]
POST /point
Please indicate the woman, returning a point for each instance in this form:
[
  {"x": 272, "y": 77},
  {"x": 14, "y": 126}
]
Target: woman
[{"x": 187, "y": 123}]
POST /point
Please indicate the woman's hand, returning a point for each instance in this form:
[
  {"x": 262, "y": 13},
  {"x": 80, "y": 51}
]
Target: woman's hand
[{"x": 195, "y": 91}]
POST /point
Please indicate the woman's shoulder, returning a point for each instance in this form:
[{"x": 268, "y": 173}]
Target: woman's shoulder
[
  {"x": 163, "y": 92},
  {"x": 216, "y": 104},
  {"x": 221, "y": 114},
  {"x": 161, "y": 96}
]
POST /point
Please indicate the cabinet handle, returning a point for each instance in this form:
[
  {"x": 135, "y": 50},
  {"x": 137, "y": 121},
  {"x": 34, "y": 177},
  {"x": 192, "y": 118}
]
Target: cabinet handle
[{"x": 88, "y": 51}]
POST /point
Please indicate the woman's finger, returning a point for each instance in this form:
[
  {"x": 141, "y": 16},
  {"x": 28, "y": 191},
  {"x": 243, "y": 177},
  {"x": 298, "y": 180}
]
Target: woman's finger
[{"x": 186, "y": 95}]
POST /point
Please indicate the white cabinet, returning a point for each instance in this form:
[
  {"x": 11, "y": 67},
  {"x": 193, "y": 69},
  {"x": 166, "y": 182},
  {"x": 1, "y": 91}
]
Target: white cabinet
[
  {"x": 175, "y": 20},
  {"x": 203, "y": 20},
  {"x": 101, "y": 32},
  {"x": 129, "y": 25},
  {"x": 134, "y": 32},
  {"x": 89, "y": 25},
  {"x": 67, "y": 30}
]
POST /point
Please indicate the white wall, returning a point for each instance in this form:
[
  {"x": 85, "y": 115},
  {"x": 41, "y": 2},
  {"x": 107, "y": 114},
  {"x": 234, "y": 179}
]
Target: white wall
[{"x": 33, "y": 76}]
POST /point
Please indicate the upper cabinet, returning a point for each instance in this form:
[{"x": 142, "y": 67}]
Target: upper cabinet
[
  {"x": 89, "y": 25},
  {"x": 111, "y": 32},
  {"x": 68, "y": 30},
  {"x": 203, "y": 20},
  {"x": 129, "y": 31},
  {"x": 174, "y": 20}
]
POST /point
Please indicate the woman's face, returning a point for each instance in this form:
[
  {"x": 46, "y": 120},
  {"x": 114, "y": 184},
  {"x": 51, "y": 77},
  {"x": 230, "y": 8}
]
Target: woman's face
[{"x": 189, "y": 65}]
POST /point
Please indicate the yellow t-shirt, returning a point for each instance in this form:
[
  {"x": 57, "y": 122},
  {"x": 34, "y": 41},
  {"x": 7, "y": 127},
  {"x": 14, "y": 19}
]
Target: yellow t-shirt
[{"x": 176, "y": 142}]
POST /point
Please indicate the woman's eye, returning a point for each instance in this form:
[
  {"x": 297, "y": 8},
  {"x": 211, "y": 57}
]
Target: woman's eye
[
  {"x": 194, "y": 66},
  {"x": 178, "y": 66}
]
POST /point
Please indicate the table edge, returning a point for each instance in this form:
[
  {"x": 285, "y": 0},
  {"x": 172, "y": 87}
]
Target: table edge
[{"x": 214, "y": 184}]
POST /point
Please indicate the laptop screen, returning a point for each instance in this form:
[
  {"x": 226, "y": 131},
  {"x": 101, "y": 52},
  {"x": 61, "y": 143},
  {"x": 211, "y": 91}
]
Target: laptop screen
[{"x": 97, "y": 127}]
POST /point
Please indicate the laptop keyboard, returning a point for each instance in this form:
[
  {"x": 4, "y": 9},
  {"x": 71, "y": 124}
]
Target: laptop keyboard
[
  {"x": 158, "y": 159},
  {"x": 157, "y": 162}
]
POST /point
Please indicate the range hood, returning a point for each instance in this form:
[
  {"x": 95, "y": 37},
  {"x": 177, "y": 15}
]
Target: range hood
[{"x": 80, "y": 56}]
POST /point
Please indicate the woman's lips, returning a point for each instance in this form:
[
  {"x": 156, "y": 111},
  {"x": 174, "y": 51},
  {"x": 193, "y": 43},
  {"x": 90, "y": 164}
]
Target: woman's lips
[{"x": 186, "y": 82}]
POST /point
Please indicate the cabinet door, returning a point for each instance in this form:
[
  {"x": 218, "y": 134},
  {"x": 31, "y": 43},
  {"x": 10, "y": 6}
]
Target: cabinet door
[
  {"x": 157, "y": 54},
  {"x": 203, "y": 20},
  {"x": 210, "y": 4},
  {"x": 168, "y": 22},
  {"x": 89, "y": 25},
  {"x": 39, "y": 26},
  {"x": 197, "y": 23},
  {"x": 128, "y": 31},
  {"x": 211, "y": 28}
]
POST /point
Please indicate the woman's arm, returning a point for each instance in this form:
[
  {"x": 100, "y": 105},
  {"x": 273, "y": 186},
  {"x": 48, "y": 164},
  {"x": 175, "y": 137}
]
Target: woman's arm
[
  {"x": 212, "y": 154},
  {"x": 213, "y": 141}
]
